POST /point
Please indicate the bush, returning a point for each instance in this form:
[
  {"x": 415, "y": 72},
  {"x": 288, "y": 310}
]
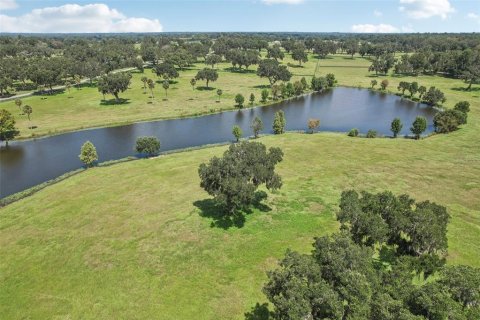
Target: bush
[
  {"x": 239, "y": 99},
  {"x": 384, "y": 84},
  {"x": 237, "y": 132},
  {"x": 434, "y": 97},
  {"x": 88, "y": 154},
  {"x": 313, "y": 124},
  {"x": 463, "y": 106},
  {"x": 448, "y": 120},
  {"x": 418, "y": 126},
  {"x": 371, "y": 134},
  {"x": 353, "y": 132},
  {"x": 265, "y": 94},
  {"x": 396, "y": 127},
  {"x": 148, "y": 145},
  {"x": 279, "y": 122}
]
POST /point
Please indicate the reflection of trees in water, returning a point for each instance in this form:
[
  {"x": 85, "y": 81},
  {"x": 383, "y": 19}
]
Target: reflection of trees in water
[{"x": 11, "y": 154}]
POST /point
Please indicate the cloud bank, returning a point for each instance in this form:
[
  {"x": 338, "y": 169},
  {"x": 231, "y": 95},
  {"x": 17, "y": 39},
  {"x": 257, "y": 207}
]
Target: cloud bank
[
  {"x": 424, "y": 9},
  {"x": 89, "y": 18}
]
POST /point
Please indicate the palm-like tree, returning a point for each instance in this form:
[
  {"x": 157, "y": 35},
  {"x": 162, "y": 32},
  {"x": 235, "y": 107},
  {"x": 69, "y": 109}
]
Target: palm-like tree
[
  {"x": 144, "y": 80},
  {"x": 27, "y": 110},
  {"x": 19, "y": 102},
  {"x": 151, "y": 86},
  {"x": 166, "y": 85}
]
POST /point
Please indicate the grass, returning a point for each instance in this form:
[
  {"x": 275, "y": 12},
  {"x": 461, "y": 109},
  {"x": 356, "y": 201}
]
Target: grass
[{"x": 137, "y": 240}]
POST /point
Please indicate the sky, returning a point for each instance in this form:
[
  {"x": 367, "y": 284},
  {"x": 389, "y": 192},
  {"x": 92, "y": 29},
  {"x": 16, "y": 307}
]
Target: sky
[{"x": 380, "y": 16}]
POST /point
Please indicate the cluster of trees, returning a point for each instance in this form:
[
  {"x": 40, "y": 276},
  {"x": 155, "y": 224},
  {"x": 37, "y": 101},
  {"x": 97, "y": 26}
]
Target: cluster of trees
[
  {"x": 418, "y": 127},
  {"x": 432, "y": 96},
  {"x": 367, "y": 270},
  {"x": 449, "y": 120}
]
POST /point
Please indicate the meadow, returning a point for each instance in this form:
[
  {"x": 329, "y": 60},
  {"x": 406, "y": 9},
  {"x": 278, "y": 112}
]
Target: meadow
[{"x": 141, "y": 239}]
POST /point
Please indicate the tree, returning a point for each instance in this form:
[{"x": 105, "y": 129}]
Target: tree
[
  {"x": 373, "y": 83},
  {"x": 213, "y": 59},
  {"x": 413, "y": 88},
  {"x": 207, "y": 74},
  {"x": 88, "y": 154},
  {"x": 68, "y": 85},
  {"x": 434, "y": 97},
  {"x": 319, "y": 84},
  {"x": 8, "y": 131},
  {"x": 330, "y": 77},
  {"x": 371, "y": 134},
  {"x": 114, "y": 83},
  {"x": 257, "y": 126},
  {"x": 18, "y": 103},
  {"x": 448, "y": 120},
  {"x": 275, "y": 52},
  {"x": 78, "y": 81},
  {"x": 237, "y": 132},
  {"x": 419, "y": 126},
  {"x": 239, "y": 100},
  {"x": 313, "y": 124},
  {"x": 151, "y": 86},
  {"x": 353, "y": 132},
  {"x": 193, "y": 82},
  {"x": 27, "y": 110},
  {"x": 472, "y": 74},
  {"x": 382, "y": 64},
  {"x": 402, "y": 86},
  {"x": 166, "y": 70},
  {"x": 463, "y": 283},
  {"x": 144, "y": 80},
  {"x": 271, "y": 69},
  {"x": 421, "y": 90},
  {"x": 279, "y": 122},
  {"x": 304, "y": 83},
  {"x": 166, "y": 85},
  {"x": 297, "y": 88},
  {"x": 264, "y": 95},
  {"x": 252, "y": 98},
  {"x": 219, "y": 93},
  {"x": 463, "y": 106},
  {"x": 147, "y": 145},
  {"x": 299, "y": 54},
  {"x": 396, "y": 127},
  {"x": 275, "y": 91},
  {"x": 233, "y": 179},
  {"x": 384, "y": 84}
]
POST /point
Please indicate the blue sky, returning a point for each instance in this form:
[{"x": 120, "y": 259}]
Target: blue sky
[{"x": 240, "y": 15}]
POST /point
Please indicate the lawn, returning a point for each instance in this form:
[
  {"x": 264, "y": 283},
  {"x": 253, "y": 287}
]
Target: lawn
[{"x": 139, "y": 240}]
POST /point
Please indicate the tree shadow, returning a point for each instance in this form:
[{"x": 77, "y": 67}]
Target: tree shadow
[
  {"x": 291, "y": 65},
  {"x": 111, "y": 102},
  {"x": 237, "y": 70},
  {"x": 204, "y": 88},
  {"x": 259, "y": 312},
  {"x": 464, "y": 89},
  {"x": 262, "y": 86},
  {"x": 209, "y": 208}
]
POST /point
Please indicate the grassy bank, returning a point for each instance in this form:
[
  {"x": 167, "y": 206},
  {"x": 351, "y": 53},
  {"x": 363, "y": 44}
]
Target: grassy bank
[{"x": 139, "y": 239}]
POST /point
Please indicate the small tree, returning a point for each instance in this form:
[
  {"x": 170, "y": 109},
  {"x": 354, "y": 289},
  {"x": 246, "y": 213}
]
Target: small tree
[
  {"x": 330, "y": 77},
  {"x": 419, "y": 126},
  {"x": 304, "y": 83},
  {"x": 78, "y": 81},
  {"x": 353, "y": 132},
  {"x": 151, "y": 86},
  {"x": 68, "y": 85},
  {"x": 448, "y": 120},
  {"x": 239, "y": 100},
  {"x": 18, "y": 103},
  {"x": 371, "y": 134},
  {"x": 27, "y": 110},
  {"x": 114, "y": 83},
  {"x": 313, "y": 124},
  {"x": 373, "y": 83},
  {"x": 463, "y": 106},
  {"x": 279, "y": 122},
  {"x": 88, "y": 154},
  {"x": 264, "y": 95},
  {"x": 257, "y": 126},
  {"x": 166, "y": 85},
  {"x": 413, "y": 88},
  {"x": 252, "y": 98},
  {"x": 396, "y": 127},
  {"x": 318, "y": 84},
  {"x": 8, "y": 131},
  {"x": 145, "y": 81},
  {"x": 219, "y": 94},
  {"x": 237, "y": 132},
  {"x": 193, "y": 82},
  {"x": 434, "y": 97},
  {"x": 148, "y": 145},
  {"x": 384, "y": 84},
  {"x": 207, "y": 74},
  {"x": 421, "y": 91}
]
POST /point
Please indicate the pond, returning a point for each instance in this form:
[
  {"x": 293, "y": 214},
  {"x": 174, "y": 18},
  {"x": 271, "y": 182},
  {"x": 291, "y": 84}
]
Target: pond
[{"x": 27, "y": 163}]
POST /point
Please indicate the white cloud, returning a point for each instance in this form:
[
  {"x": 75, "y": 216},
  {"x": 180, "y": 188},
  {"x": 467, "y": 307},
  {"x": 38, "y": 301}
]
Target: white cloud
[
  {"x": 423, "y": 9},
  {"x": 474, "y": 16},
  {"x": 374, "y": 28},
  {"x": 408, "y": 28},
  {"x": 8, "y": 4},
  {"x": 377, "y": 13},
  {"x": 77, "y": 18},
  {"x": 282, "y": 1}
]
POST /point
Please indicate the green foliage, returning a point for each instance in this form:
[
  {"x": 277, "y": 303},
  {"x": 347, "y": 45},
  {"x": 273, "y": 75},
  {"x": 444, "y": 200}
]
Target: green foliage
[
  {"x": 271, "y": 69},
  {"x": 373, "y": 83},
  {"x": 331, "y": 81},
  {"x": 237, "y": 132},
  {"x": 419, "y": 126},
  {"x": 371, "y": 134},
  {"x": 298, "y": 88},
  {"x": 207, "y": 74},
  {"x": 265, "y": 94},
  {"x": 319, "y": 84},
  {"x": 8, "y": 131},
  {"x": 299, "y": 54},
  {"x": 252, "y": 98},
  {"x": 463, "y": 106},
  {"x": 257, "y": 126},
  {"x": 384, "y": 84},
  {"x": 448, "y": 120},
  {"x": 434, "y": 97},
  {"x": 219, "y": 93},
  {"x": 396, "y": 127},
  {"x": 114, "y": 83},
  {"x": 463, "y": 283},
  {"x": 353, "y": 132},
  {"x": 166, "y": 70},
  {"x": 304, "y": 83},
  {"x": 88, "y": 154},
  {"x": 239, "y": 100},
  {"x": 148, "y": 145},
  {"x": 275, "y": 52},
  {"x": 279, "y": 122},
  {"x": 233, "y": 179},
  {"x": 27, "y": 110},
  {"x": 166, "y": 85},
  {"x": 212, "y": 59},
  {"x": 193, "y": 82}
]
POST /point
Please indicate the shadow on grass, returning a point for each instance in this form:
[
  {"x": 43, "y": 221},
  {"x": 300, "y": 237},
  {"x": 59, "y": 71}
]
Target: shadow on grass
[
  {"x": 237, "y": 70},
  {"x": 209, "y": 208},
  {"x": 112, "y": 102},
  {"x": 203, "y": 88},
  {"x": 464, "y": 89},
  {"x": 262, "y": 86},
  {"x": 291, "y": 65},
  {"x": 259, "y": 312}
]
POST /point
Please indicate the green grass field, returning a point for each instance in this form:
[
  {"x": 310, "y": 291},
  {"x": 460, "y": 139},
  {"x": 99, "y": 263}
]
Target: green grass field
[{"x": 136, "y": 240}]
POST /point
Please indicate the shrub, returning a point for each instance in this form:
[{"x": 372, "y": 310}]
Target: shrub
[
  {"x": 384, "y": 84},
  {"x": 239, "y": 99},
  {"x": 434, "y": 97},
  {"x": 418, "y": 126},
  {"x": 353, "y": 132},
  {"x": 396, "y": 127},
  {"x": 371, "y": 134},
  {"x": 448, "y": 120},
  {"x": 148, "y": 145},
  {"x": 88, "y": 154},
  {"x": 279, "y": 122},
  {"x": 264, "y": 95},
  {"x": 313, "y": 124},
  {"x": 463, "y": 106},
  {"x": 237, "y": 132}
]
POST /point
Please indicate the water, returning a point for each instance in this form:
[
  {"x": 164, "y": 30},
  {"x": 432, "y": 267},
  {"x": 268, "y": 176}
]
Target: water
[{"x": 27, "y": 163}]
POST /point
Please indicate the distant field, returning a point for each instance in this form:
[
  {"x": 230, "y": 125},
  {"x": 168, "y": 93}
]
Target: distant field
[{"x": 135, "y": 241}]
